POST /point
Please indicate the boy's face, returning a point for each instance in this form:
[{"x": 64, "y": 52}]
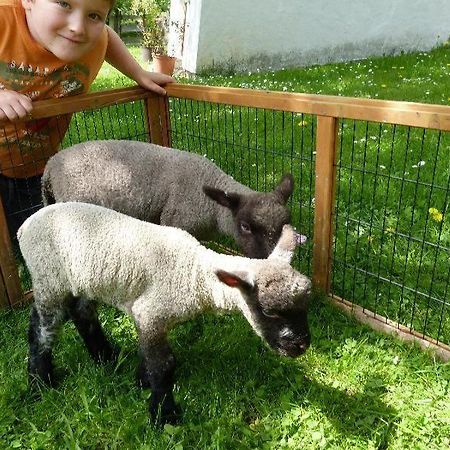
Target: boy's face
[{"x": 67, "y": 28}]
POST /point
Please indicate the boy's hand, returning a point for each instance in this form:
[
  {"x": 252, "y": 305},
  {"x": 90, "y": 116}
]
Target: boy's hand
[
  {"x": 153, "y": 81},
  {"x": 14, "y": 106}
]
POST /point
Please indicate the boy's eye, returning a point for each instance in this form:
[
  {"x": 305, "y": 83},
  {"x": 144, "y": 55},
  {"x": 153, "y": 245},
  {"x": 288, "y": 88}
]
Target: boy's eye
[
  {"x": 96, "y": 17},
  {"x": 63, "y": 4}
]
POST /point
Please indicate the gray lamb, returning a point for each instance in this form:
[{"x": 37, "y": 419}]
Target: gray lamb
[
  {"x": 160, "y": 276},
  {"x": 167, "y": 186}
]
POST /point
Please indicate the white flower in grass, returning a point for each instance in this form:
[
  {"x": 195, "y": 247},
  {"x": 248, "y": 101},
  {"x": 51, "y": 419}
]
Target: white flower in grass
[{"x": 419, "y": 164}]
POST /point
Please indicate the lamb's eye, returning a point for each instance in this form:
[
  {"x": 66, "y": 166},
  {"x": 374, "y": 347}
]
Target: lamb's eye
[
  {"x": 271, "y": 314},
  {"x": 245, "y": 227}
]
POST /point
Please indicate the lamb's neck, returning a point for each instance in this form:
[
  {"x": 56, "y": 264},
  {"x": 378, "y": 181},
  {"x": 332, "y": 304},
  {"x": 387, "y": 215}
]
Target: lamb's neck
[
  {"x": 225, "y": 222},
  {"x": 214, "y": 293}
]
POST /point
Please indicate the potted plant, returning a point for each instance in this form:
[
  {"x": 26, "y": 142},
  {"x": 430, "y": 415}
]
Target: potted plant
[
  {"x": 155, "y": 38},
  {"x": 155, "y": 26}
]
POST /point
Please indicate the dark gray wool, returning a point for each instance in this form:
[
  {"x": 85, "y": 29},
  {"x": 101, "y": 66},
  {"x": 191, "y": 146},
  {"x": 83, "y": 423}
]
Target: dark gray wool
[{"x": 169, "y": 187}]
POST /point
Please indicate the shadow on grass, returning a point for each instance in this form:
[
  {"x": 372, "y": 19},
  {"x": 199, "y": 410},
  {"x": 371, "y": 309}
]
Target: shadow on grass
[
  {"x": 226, "y": 376},
  {"x": 223, "y": 371}
]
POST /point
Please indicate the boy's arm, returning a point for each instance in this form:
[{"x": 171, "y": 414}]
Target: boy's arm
[
  {"x": 118, "y": 56},
  {"x": 14, "y": 106}
]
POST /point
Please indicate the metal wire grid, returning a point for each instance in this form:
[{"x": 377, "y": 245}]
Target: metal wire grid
[
  {"x": 256, "y": 147},
  {"x": 392, "y": 233},
  {"x": 122, "y": 121}
]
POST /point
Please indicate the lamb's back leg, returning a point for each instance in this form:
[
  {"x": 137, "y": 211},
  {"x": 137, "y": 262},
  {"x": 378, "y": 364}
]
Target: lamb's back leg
[
  {"x": 41, "y": 335},
  {"x": 84, "y": 315}
]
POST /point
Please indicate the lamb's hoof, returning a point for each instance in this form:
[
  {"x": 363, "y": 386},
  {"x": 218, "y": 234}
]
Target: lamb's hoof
[
  {"x": 106, "y": 355},
  {"x": 38, "y": 381},
  {"x": 168, "y": 412}
]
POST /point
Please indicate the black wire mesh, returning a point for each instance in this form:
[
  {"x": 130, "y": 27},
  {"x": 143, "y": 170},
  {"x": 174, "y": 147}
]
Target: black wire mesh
[
  {"x": 256, "y": 147},
  {"x": 21, "y": 197},
  {"x": 122, "y": 121},
  {"x": 392, "y": 233}
]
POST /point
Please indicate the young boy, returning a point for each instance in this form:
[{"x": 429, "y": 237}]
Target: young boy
[{"x": 49, "y": 49}]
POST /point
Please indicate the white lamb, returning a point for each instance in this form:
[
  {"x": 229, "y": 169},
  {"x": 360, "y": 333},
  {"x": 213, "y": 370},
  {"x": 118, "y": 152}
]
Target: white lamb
[{"x": 160, "y": 276}]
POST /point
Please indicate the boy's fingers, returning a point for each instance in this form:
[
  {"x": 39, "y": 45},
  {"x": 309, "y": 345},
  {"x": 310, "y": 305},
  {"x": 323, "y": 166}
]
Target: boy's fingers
[
  {"x": 166, "y": 79},
  {"x": 13, "y": 112},
  {"x": 158, "y": 89},
  {"x": 14, "y": 106},
  {"x": 26, "y": 103},
  {"x": 8, "y": 113}
]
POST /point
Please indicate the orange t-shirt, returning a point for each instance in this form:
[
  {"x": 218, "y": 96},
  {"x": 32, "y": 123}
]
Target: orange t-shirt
[{"x": 28, "y": 68}]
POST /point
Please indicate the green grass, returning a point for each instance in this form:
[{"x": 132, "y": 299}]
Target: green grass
[
  {"x": 354, "y": 388},
  {"x": 390, "y": 252}
]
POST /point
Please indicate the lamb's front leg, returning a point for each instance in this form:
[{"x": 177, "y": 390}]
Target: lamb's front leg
[{"x": 157, "y": 372}]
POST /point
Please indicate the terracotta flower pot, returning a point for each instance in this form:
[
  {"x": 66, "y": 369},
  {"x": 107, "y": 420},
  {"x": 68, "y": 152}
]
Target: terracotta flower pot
[{"x": 164, "y": 64}]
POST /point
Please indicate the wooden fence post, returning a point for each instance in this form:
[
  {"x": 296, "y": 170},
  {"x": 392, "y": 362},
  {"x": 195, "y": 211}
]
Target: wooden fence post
[
  {"x": 327, "y": 128},
  {"x": 158, "y": 119},
  {"x": 10, "y": 290}
]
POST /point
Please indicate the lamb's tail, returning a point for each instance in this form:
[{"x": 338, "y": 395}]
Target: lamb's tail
[{"x": 48, "y": 197}]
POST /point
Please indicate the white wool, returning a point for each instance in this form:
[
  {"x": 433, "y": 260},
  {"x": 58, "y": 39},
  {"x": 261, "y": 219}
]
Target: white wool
[{"x": 160, "y": 275}]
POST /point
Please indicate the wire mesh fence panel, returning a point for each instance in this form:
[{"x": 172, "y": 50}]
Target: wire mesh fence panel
[
  {"x": 256, "y": 147},
  {"x": 391, "y": 237},
  {"x": 392, "y": 233},
  {"x": 122, "y": 121},
  {"x": 25, "y": 158}
]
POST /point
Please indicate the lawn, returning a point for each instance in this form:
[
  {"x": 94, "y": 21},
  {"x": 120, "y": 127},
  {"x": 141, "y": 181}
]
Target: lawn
[{"x": 354, "y": 388}]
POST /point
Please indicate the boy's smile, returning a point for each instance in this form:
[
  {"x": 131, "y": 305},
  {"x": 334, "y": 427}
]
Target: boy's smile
[{"x": 67, "y": 28}]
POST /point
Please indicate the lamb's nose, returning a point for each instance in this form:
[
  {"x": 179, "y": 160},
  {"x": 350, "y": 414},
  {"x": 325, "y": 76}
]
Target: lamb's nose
[{"x": 303, "y": 347}]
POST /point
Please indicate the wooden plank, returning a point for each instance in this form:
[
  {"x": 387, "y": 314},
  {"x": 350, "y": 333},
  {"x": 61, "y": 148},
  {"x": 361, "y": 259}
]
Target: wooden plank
[
  {"x": 8, "y": 263},
  {"x": 85, "y": 102},
  {"x": 4, "y": 301},
  {"x": 324, "y": 200},
  {"x": 384, "y": 111},
  {"x": 380, "y": 323},
  {"x": 157, "y": 116},
  {"x": 165, "y": 121}
]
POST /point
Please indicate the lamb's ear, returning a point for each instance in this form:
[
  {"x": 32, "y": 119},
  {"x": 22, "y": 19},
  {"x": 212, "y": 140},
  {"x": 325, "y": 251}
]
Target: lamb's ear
[
  {"x": 239, "y": 279},
  {"x": 228, "y": 199},
  {"x": 285, "y": 187},
  {"x": 287, "y": 243}
]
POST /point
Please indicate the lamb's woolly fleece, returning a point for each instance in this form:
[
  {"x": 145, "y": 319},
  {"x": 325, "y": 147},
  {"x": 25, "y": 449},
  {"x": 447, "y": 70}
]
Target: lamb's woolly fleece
[
  {"x": 160, "y": 275},
  {"x": 151, "y": 183},
  {"x": 145, "y": 181}
]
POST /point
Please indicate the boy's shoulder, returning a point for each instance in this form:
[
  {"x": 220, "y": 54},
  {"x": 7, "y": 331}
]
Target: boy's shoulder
[
  {"x": 9, "y": 14},
  {"x": 8, "y": 8},
  {"x": 9, "y": 3}
]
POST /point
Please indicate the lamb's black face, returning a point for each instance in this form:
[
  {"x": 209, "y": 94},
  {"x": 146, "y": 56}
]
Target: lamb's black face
[
  {"x": 286, "y": 332},
  {"x": 258, "y": 217},
  {"x": 259, "y": 222},
  {"x": 279, "y": 307}
]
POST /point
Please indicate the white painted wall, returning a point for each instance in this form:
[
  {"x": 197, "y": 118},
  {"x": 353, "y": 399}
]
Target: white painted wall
[{"x": 263, "y": 34}]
